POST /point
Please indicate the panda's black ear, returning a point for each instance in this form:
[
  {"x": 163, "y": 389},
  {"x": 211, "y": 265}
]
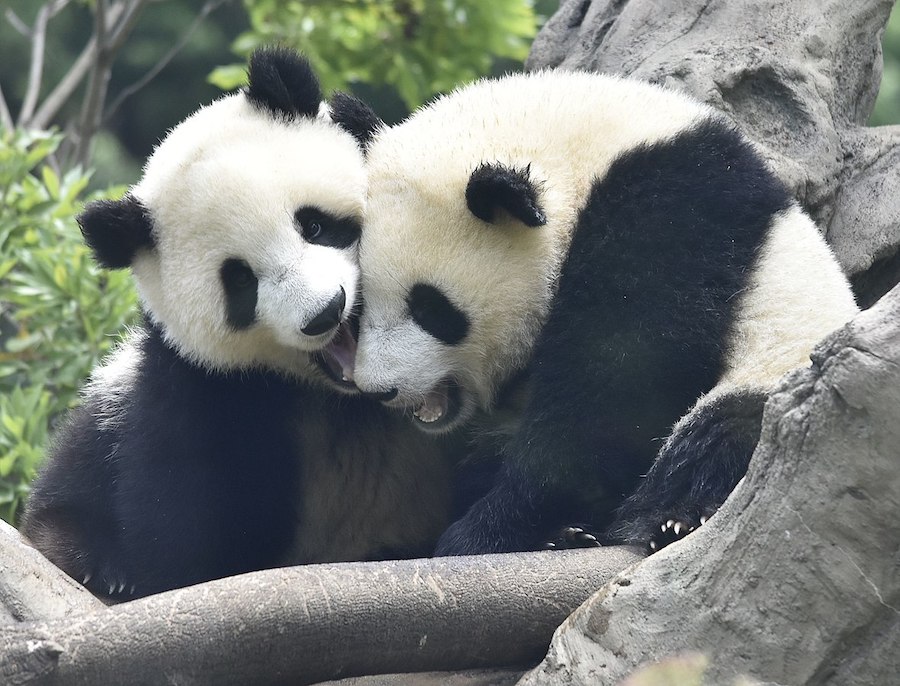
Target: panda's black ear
[
  {"x": 355, "y": 116},
  {"x": 283, "y": 82},
  {"x": 496, "y": 186},
  {"x": 115, "y": 230}
]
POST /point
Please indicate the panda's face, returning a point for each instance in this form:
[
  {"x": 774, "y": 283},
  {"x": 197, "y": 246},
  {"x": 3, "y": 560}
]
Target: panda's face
[
  {"x": 255, "y": 228},
  {"x": 453, "y": 303}
]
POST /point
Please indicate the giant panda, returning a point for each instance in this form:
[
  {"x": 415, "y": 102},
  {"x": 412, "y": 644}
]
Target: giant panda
[
  {"x": 604, "y": 278},
  {"x": 223, "y": 436}
]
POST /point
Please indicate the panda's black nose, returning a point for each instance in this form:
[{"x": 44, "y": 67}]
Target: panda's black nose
[{"x": 329, "y": 317}]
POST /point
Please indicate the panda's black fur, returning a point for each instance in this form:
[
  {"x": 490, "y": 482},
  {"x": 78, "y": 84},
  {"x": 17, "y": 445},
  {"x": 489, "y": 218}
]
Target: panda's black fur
[
  {"x": 181, "y": 466},
  {"x": 616, "y": 366},
  {"x": 621, "y": 385}
]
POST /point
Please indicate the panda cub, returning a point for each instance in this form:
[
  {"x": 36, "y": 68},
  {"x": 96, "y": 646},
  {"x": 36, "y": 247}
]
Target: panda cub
[
  {"x": 579, "y": 263},
  {"x": 224, "y": 435}
]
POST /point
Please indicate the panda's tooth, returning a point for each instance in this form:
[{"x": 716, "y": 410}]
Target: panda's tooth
[{"x": 428, "y": 414}]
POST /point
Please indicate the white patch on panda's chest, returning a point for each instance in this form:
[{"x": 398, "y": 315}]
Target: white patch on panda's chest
[
  {"x": 111, "y": 384},
  {"x": 366, "y": 489}
]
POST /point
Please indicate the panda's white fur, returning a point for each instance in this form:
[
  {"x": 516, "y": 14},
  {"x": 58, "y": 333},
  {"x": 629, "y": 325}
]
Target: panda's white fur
[
  {"x": 196, "y": 180},
  {"x": 561, "y": 132},
  {"x": 214, "y": 440}
]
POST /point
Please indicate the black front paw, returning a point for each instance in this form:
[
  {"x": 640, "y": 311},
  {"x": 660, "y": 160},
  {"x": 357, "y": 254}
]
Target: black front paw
[
  {"x": 570, "y": 537},
  {"x": 655, "y": 530}
]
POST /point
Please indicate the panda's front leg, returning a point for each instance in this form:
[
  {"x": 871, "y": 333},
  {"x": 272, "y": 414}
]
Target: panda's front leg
[
  {"x": 515, "y": 515},
  {"x": 702, "y": 461}
]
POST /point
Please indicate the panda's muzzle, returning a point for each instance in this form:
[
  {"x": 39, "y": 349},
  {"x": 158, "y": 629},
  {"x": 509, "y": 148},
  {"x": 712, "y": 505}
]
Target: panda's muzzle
[{"x": 329, "y": 317}]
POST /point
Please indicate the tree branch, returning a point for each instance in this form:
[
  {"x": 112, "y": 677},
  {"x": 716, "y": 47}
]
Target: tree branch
[
  {"x": 302, "y": 625},
  {"x": 35, "y": 72},
  {"x": 6, "y": 120},
  {"x": 208, "y": 8},
  {"x": 111, "y": 37}
]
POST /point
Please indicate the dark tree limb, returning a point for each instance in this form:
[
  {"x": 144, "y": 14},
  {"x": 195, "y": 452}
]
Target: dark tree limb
[{"x": 306, "y": 624}]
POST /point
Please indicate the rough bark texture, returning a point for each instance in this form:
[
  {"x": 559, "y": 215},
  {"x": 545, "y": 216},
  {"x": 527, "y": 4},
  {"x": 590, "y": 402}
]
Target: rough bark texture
[
  {"x": 799, "y": 77},
  {"x": 796, "y": 580},
  {"x": 306, "y": 624}
]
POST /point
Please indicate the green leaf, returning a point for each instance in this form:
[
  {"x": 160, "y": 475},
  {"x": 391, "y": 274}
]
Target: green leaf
[
  {"x": 51, "y": 181},
  {"x": 228, "y": 77}
]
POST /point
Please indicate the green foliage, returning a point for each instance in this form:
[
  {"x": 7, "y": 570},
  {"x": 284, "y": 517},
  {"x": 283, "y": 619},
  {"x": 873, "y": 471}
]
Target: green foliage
[
  {"x": 58, "y": 311},
  {"x": 887, "y": 106},
  {"x": 420, "y": 47}
]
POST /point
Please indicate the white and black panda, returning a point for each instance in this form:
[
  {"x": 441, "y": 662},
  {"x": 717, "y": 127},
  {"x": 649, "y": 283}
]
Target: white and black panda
[
  {"x": 220, "y": 437},
  {"x": 615, "y": 258}
]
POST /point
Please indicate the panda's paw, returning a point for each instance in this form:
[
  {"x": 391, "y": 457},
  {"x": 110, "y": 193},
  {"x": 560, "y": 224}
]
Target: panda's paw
[
  {"x": 108, "y": 581},
  {"x": 670, "y": 531},
  {"x": 572, "y": 537}
]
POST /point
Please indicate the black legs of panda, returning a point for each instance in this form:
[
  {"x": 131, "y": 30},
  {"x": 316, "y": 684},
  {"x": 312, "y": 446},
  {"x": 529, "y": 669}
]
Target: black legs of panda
[{"x": 697, "y": 468}]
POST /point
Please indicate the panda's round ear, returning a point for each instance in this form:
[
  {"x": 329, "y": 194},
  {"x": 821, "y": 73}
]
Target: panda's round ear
[
  {"x": 355, "y": 117},
  {"x": 494, "y": 186},
  {"x": 283, "y": 82},
  {"x": 115, "y": 230}
]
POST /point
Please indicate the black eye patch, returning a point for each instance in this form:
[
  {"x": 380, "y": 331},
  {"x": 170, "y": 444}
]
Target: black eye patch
[
  {"x": 240, "y": 286},
  {"x": 431, "y": 310},
  {"x": 322, "y": 228}
]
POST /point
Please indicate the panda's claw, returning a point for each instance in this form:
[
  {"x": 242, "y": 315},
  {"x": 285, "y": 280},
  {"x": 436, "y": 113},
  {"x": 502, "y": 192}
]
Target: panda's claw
[{"x": 572, "y": 537}]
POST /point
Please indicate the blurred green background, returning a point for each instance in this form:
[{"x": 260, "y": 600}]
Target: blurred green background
[{"x": 58, "y": 312}]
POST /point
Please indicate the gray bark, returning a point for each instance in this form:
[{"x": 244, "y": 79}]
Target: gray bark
[
  {"x": 798, "y": 77},
  {"x": 796, "y": 579},
  {"x": 306, "y": 624}
]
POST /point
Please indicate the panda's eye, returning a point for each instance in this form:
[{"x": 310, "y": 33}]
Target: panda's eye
[
  {"x": 240, "y": 285},
  {"x": 321, "y": 228},
  {"x": 437, "y": 316}
]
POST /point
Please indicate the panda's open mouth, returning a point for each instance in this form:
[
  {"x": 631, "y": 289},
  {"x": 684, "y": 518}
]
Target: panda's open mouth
[
  {"x": 337, "y": 359},
  {"x": 440, "y": 406}
]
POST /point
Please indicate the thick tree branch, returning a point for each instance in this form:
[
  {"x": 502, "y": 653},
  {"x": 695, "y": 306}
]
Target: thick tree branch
[{"x": 306, "y": 624}]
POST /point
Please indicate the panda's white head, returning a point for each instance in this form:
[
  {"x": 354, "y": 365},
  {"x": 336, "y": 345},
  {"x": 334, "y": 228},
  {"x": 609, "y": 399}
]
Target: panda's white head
[
  {"x": 243, "y": 232},
  {"x": 460, "y": 250}
]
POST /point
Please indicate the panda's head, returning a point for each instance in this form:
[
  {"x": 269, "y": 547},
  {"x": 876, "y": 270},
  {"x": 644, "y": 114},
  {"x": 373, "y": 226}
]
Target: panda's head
[
  {"x": 459, "y": 255},
  {"x": 243, "y": 231}
]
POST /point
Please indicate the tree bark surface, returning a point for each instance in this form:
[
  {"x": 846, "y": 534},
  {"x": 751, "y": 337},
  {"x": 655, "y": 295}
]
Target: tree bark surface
[
  {"x": 800, "y": 78},
  {"x": 796, "y": 579},
  {"x": 306, "y": 624}
]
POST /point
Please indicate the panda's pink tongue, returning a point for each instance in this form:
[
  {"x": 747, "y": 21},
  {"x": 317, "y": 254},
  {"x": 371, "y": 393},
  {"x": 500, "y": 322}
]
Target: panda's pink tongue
[
  {"x": 342, "y": 349},
  {"x": 434, "y": 407}
]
